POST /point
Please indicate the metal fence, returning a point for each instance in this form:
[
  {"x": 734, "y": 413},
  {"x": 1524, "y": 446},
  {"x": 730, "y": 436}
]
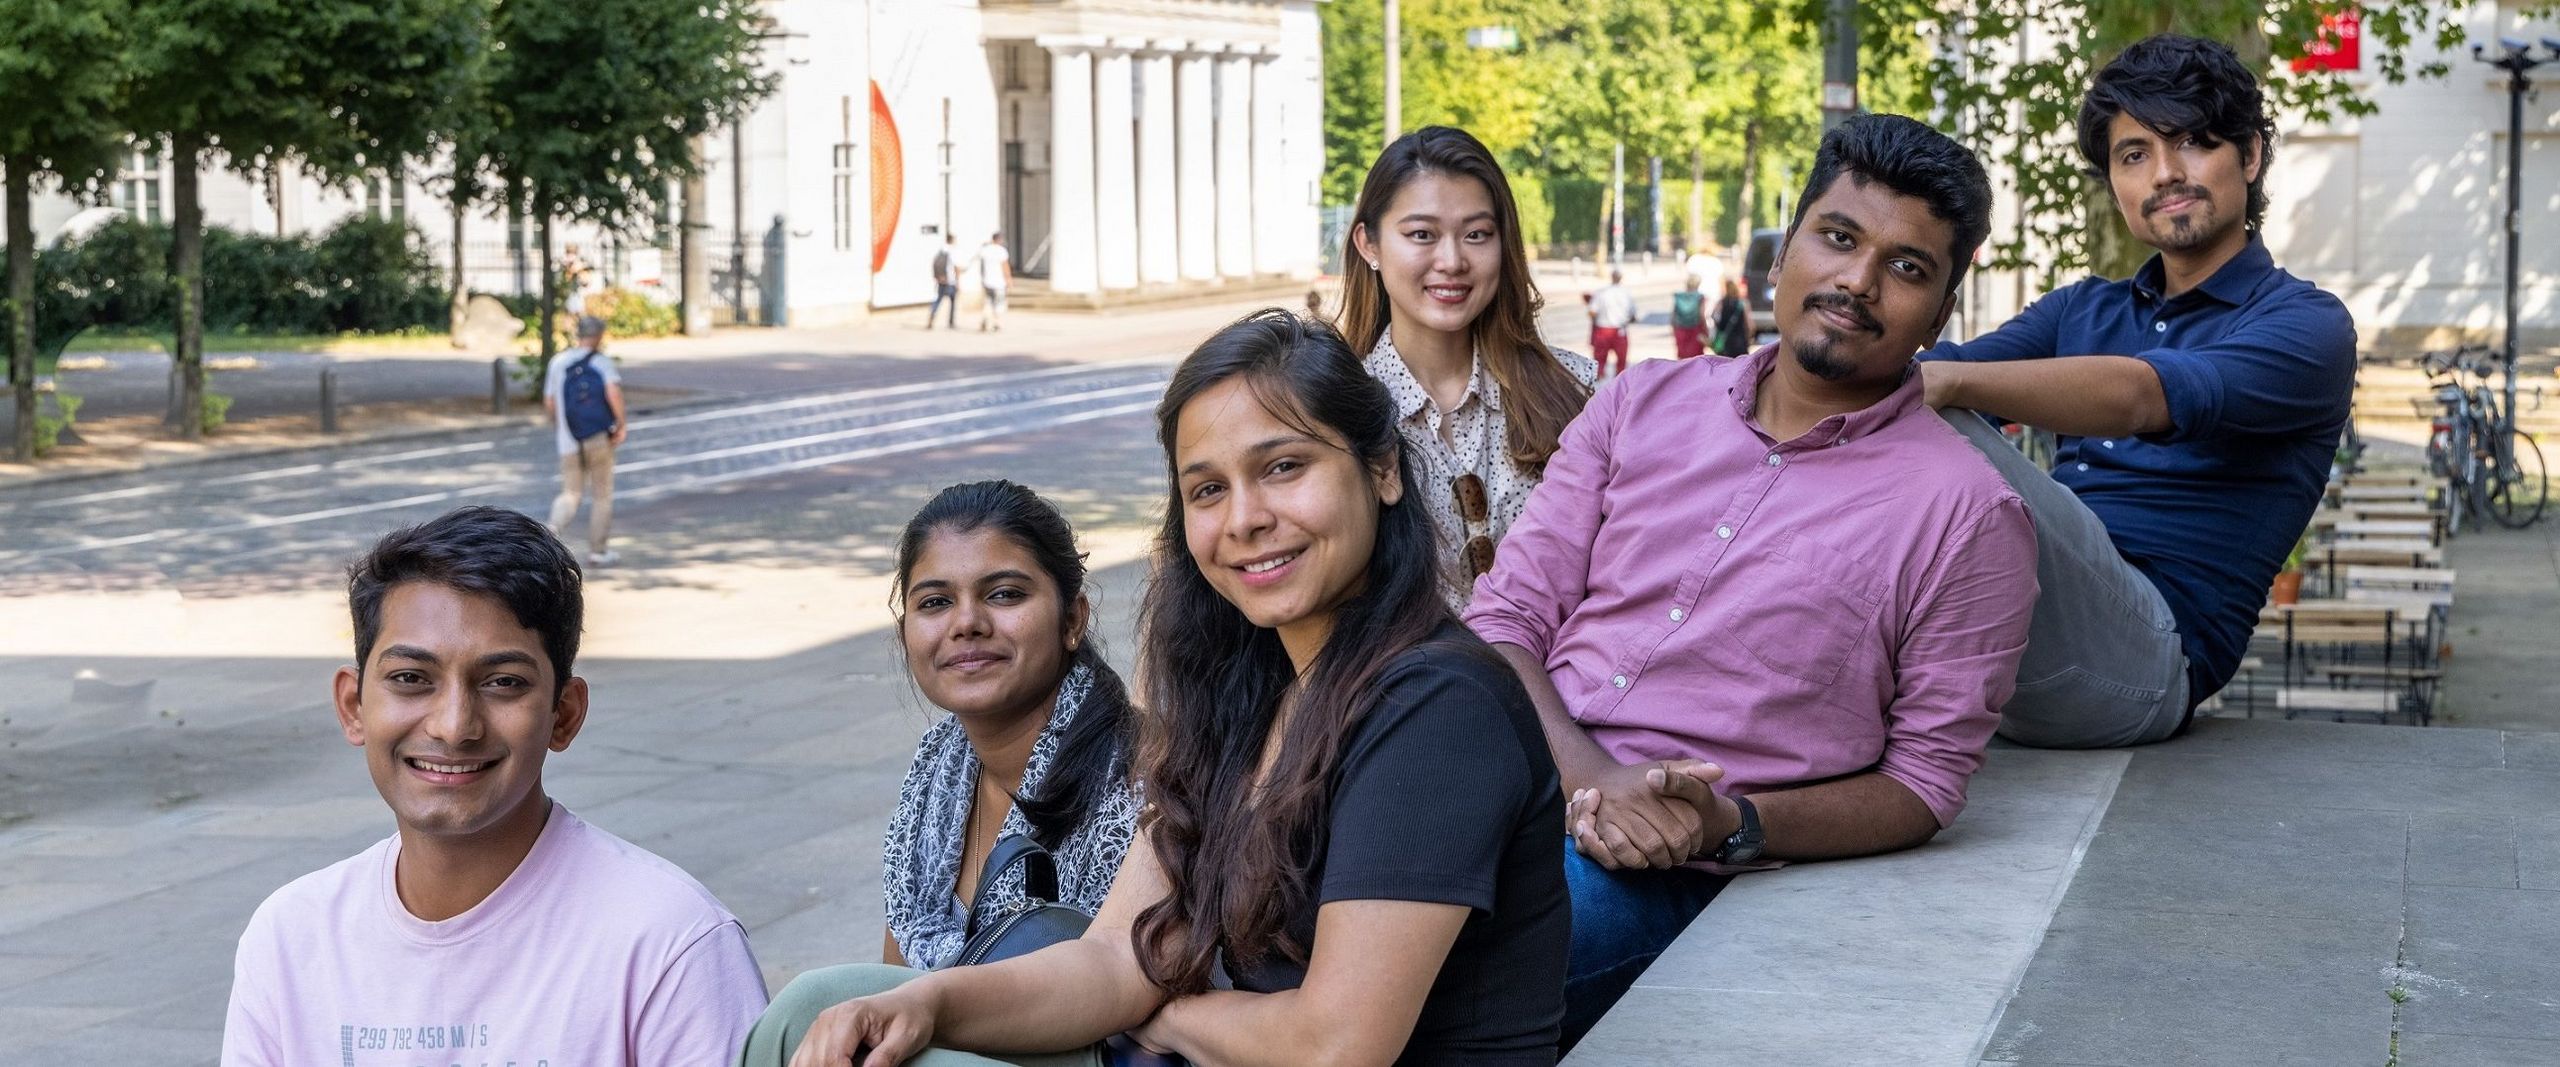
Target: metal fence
[{"x": 746, "y": 279}]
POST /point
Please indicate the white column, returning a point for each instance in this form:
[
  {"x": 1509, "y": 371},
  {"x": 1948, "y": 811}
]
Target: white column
[
  {"x": 1158, "y": 246},
  {"x": 1235, "y": 164},
  {"x": 1195, "y": 188},
  {"x": 1115, "y": 165},
  {"x": 1271, "y": 200},
  {"x": 1071, "y": 232}
]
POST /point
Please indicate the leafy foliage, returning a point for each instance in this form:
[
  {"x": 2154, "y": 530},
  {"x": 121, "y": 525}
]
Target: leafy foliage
[
  {"x": 1688, "y": 82},
  {"x": 594, "y": 104},
  {"x": 363, "y": 275}
]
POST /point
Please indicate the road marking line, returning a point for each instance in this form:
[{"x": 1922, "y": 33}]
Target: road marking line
[
  {"x": 867, "y": 431},
  {"x": 881, "y": 450},
  {"x": 493, "y": 488}
]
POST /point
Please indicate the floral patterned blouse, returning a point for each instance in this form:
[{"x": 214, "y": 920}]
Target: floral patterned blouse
[{"x": 1474, "y": 437}]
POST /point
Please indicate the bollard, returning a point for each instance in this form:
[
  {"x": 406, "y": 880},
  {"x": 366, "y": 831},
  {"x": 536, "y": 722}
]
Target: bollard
[
  {"x": 328, "y": 400},
  {"x": 498, "y": 386}
]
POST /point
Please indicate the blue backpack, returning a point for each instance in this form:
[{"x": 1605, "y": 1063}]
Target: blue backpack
[{"x": 582, "y": 399}]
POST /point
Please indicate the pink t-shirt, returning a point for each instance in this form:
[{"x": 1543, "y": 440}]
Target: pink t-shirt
[{"x": 593, "y": 952}]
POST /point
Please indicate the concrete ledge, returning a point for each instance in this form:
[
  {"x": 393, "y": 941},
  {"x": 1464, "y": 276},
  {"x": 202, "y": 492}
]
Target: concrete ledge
[
  {"x": 1899, "y": 959},
  {"x": 2258, "y": 892}
]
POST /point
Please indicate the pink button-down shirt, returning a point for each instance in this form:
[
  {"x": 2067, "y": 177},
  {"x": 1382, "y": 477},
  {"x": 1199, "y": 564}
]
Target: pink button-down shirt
[{"x": 1854, "y": 599}]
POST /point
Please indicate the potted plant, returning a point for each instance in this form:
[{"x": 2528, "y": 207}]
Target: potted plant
[{"x": 2288, "y": 587}]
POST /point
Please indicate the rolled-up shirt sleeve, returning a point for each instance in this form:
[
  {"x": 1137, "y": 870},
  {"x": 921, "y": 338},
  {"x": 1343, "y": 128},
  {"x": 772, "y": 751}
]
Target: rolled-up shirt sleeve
[
  {"x": 1957, "y": 663},
  {"x": 2289, "y": 370},
  {"x": 1543, "y": 566},
  {"x": 2035, "y": 333}
]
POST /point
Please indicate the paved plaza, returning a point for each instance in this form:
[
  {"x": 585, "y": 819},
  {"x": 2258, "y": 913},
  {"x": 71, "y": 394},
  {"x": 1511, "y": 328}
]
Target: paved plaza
[{"x": 168, "y": 757}]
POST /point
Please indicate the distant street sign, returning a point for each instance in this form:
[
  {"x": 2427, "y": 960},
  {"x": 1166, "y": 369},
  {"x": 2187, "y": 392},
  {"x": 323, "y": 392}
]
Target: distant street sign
[
  {"x": 2338, "y": 46},
  {"x": 1500, "y": 38},
  {"x": 1839, "y": 96}
]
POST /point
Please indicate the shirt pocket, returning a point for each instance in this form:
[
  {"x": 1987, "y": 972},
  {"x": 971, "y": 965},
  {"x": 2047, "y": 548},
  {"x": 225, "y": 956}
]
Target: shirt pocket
[{"x": 1801, "y": 607}]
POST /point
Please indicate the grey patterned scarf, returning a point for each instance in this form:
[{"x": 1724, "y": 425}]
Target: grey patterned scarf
[{"x": 920, "y": 857}]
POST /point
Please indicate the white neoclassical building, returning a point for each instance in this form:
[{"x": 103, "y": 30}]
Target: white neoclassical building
[{"x": 1125, "y": 148}]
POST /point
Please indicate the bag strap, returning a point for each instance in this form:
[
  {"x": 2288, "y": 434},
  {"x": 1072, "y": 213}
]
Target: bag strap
[{"x": 1039, "y": 874}]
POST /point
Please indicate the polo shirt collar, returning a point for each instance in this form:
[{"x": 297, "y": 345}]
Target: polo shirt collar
[
  {"x": 1851, "y": 426},
  {"x": 2232, "y": 284}
]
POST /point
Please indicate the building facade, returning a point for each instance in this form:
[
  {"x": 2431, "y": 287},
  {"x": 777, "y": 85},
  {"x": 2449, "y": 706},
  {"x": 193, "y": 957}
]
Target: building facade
[{"x": 1122, "y": 147}]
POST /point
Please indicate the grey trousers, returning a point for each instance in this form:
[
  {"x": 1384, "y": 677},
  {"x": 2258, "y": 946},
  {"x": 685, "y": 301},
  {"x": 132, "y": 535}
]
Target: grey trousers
[
  {"x": 777, "y": 1035},
  {"x": 2103, "y": 666}
]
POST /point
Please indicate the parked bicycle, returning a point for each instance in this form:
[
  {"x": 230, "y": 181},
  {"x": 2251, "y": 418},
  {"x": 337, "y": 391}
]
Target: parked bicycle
[{"x": 2490, "y": 469}]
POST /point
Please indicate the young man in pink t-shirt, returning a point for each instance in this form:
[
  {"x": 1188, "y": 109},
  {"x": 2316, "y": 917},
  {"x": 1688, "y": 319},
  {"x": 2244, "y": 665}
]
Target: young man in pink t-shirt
[{"x": 495, "y": 927}]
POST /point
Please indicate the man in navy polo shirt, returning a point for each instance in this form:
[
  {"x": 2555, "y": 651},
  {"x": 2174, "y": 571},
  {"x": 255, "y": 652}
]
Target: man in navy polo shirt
[{"x": 2198, "y": 405}]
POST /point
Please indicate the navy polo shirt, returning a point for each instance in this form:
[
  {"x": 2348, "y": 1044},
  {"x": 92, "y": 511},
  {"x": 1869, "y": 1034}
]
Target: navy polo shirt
[{"x": 2258, "y": 367}]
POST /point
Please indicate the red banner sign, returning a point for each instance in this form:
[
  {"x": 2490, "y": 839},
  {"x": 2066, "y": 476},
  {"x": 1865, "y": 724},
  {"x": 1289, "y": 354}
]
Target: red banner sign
[{"x": 2337, "y": 47}]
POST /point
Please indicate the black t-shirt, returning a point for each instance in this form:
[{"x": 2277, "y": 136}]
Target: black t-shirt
[{"x": 1447, "y": 795}]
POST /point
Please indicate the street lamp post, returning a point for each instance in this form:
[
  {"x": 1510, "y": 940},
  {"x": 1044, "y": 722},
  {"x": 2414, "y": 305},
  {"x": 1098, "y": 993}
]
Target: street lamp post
[
  {"x": 2516, "y": 57},
  {"x": 1394, "y": 72}
]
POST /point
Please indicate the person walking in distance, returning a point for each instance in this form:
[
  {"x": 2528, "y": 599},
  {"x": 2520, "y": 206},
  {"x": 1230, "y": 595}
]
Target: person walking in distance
[
  {"x": 1689, "y": 320},
  {"x": 995, "y": 276},
  {"x": 583, "y": 392},
  {"x": 1733, "y": 328},
  {"x": 1613, "y": 312},
  {"x": 946, "y": 282}
]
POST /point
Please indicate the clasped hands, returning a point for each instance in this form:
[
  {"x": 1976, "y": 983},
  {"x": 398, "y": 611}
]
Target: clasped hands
[{"x": 1650, "y": 815}]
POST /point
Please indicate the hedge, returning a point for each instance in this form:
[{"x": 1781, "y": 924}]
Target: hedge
[{"x": 364, "y": 275}]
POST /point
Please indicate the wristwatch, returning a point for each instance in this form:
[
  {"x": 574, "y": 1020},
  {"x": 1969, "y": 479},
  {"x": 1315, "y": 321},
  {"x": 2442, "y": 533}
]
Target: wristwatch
[{"x": 1746, "y": 841}]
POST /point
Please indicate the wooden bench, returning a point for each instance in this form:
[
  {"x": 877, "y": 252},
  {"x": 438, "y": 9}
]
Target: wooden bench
[
  {"x": 2352, "y": 530},
  {"x": 2382, "y": 704}
]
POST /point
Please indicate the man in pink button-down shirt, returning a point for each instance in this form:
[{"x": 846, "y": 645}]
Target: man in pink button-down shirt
[{"x": 1769, "y": 608}]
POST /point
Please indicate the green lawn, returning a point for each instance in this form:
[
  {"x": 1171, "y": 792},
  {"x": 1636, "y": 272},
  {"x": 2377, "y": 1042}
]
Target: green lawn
[{"x": 103, "y": 341}]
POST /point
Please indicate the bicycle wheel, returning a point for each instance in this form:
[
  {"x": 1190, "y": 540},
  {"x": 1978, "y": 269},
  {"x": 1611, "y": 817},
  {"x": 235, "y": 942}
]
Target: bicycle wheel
[{"x": 2522, "y": 488}]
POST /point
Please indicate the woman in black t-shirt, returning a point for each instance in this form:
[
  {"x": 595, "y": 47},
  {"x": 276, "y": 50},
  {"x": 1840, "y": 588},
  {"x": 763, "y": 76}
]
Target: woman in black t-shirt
[{"x": 1352, "y": 806}]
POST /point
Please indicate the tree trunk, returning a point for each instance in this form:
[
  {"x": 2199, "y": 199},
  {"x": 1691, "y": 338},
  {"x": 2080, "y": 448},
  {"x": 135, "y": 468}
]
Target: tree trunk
[
  {"x": 22, "y": 312},
  {"x": 186, "y": 266},
  {"x": 547, "y": 309},
  {"x": 275, "y": 194},
  {"x": 461, "y": 304},
  {"x": 1746, "y": 198},
  {"x": 695, "y": 307},
  {"x": 1698, "y": 232}
]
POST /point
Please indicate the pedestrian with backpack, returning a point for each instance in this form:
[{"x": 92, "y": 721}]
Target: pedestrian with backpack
[
  {"x": 1733, "y": 332},
  {"x": 1689, "y": 320},
  {"x": 583, "y": 392},
  {"x": 946, "y": 282}
]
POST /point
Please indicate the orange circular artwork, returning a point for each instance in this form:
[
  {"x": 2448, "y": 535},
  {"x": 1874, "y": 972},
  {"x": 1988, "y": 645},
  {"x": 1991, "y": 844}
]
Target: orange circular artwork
[{"x": 888, "y": 179}]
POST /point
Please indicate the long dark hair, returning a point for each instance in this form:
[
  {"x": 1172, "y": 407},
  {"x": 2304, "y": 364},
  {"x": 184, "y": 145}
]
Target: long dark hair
[
  {"x": 1093, "y": 755},
  {"x": 1538, "y": 395},
  {"x": 1236, "y": 855}
]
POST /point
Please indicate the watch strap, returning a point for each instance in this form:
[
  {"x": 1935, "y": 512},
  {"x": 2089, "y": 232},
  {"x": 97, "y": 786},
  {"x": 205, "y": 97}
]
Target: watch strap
[{"x": 1745, "y": 843}]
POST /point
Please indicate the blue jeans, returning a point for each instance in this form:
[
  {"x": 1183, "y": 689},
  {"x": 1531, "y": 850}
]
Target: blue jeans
[
  {"x": 1621, "y": 921},
  {"x": 944, "y": 292}
]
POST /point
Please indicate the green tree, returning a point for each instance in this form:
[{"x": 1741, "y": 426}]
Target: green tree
[
  {"x": 1725, "y": 85},
  {"x": 595, "y": 104},
  {"x": 64, "y": 62},
  {"x": 347, "y": 88}
]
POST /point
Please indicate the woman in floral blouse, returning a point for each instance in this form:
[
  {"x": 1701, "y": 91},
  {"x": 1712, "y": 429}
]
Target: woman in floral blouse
[{"x": 1436, "y": 289}]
